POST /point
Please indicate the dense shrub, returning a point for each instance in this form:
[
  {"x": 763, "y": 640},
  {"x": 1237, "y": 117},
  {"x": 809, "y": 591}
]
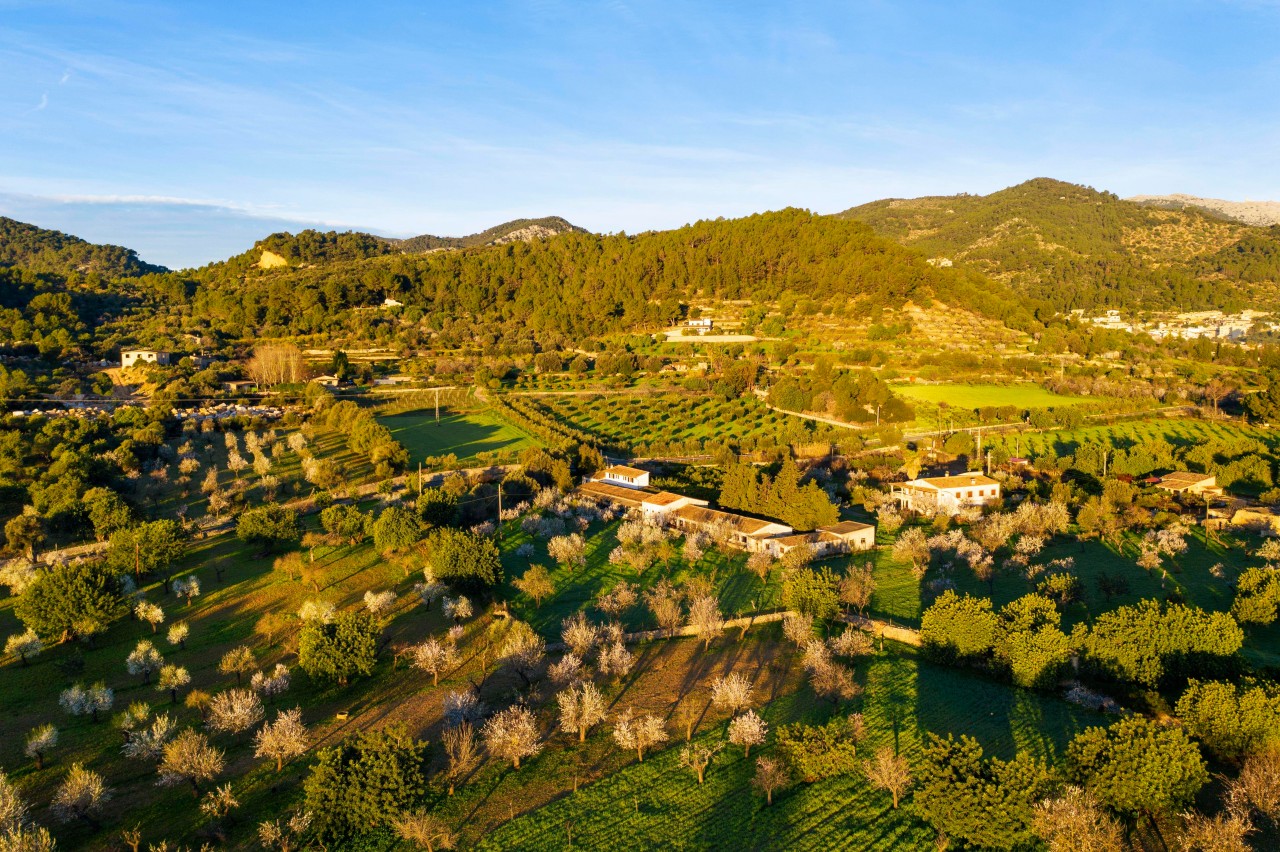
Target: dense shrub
[{"x": 815, "y": 752}]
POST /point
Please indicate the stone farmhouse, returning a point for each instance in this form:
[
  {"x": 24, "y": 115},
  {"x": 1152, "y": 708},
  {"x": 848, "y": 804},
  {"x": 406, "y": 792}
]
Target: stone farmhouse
[
  {"x": 948, "y": 494},
  {"x": 628, "y": 487}
]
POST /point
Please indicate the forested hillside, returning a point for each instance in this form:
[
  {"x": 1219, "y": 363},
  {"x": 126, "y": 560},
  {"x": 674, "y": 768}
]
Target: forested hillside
[
  {"x": 578, "y": 284},
  {"x": 41, "y": 250},
  {"x": 1079, "y": 248}
]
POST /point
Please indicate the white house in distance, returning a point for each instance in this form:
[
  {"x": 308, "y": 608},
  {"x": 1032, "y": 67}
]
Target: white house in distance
[
  {"x": 844, "y": 537},
  {"x": 702, "y": 322},
  {"x": 947, "y": 493},
  {"x": 129, "y": 357},
  {"x": 621, "y": 474}
]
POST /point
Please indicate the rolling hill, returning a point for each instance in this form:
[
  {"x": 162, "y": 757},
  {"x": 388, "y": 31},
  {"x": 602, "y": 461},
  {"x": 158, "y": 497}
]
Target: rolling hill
[
  {"x": 1076, "y": 247},
  {"x": 42, "y": 250}
]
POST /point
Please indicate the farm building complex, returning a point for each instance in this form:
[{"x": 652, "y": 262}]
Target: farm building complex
[{"x": 689, "y": 514}]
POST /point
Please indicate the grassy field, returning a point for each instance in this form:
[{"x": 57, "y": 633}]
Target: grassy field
[
  {"x": 980, "y": 396},
  {"x": 658, "y": 804},
  {"x": 464, "y": 434}
]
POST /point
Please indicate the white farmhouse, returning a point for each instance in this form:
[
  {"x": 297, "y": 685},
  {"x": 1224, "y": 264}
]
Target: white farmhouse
[
  {"x": 947, "y": 494},
  {"x": 129, "y": 357}
]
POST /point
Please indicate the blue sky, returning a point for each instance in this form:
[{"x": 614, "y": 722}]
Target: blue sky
[{"x": 188, "y": 129}]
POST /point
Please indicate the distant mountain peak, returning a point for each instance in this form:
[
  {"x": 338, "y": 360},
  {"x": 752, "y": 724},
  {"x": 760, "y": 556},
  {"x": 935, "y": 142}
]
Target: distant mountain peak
[
  {"x": 508, "y": 232},
  {"x": 1263, "y": 213}
]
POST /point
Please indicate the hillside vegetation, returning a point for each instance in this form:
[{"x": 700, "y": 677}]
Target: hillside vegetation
[
  {"x": 1076, "y": 247},
  {"x": 42, "y": 250},
  {"x": 580, "y": 284}
]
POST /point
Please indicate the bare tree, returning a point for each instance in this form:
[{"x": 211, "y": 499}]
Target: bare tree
[
  {"x": 569, "y": 550},
  {"x": 276, "y": 363},
  {"x": 150, "y": 613},
  {"x": 732, "y": 693},
  {"x": 79, "y": 701},
  {"x": 770, "y": 775},
  {"x": 187, "y": 587},
  {"x": 178, "y": 634},
  {"x": 144, "y": 660},
  {"x": 852, "y": 643},
  {"x": 234, "y": 711},
  {"x": 1223, "y": 833},
  {"x": 434, "y": 657},
  {"x": 379, "y": 603},
  {"x": 283, "y": 739},
  {"x": 748, "y": 730},
  {"x": 24, "y": 646},
  {"x": 172, "y": 678},
  {"x": 1259, "y": 782},
  {"x": 889, "y": 771},
  {"x": 568, "y": 670},
  {"x": 614, "y": 660},
  {"x": 913, "y": 546},
  {"x": 639, "y": 732},
  {"x": 219, "y": 802},
  {"x": 190, "y": 759},
  {"x": 618, "y": 600},
  {"x": 283, "y": 835},
  {"x": 760, "y": 563},
  {"x": 463, "y": 752},
  {"x": 237, "y": 661},
  {"x": 664, "y": 602},
  {"x": 1076, "y": 822},
  {"x": 523, "y": 650},
  {"x": 457, "y": 608},
  {"x": 147, "y": 742},
  {"x": 857, "y": 586},
  {"x": 579, "y": 635},
  {"x": 580, "y": 708},
  {"x": 687, "y": 716},
  {"x": 13, "y": 808},
  {"x": 271, "y": 685},
  {"x": 834, "y": 681},
  {"x": 40, "y": 741},
  {"x": 797, "y": 627},
  {"x": 81, "y": 796},
  {"x": 425, "y": 830},
  {"x": 704, "y": 615},
  {"x": 512, "y": 735},
  {"x": 698, "y": 756}
]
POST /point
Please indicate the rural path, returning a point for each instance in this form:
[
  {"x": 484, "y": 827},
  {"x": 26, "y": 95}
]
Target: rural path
[{"x": 876, "y": 626}]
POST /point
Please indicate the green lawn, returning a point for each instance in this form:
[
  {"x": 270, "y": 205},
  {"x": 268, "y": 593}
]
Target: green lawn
[
  {"x": 465, "y": 435},
  {"x": 979, "y": 396},
  {"x": 658, "y": 804}
]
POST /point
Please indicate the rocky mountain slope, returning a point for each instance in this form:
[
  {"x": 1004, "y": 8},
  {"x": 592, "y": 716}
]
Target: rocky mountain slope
[{"x": 1260, "y": 213}]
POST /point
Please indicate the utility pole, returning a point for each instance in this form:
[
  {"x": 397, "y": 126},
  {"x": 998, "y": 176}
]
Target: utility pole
[
  {"x": 419, "y": 478},
  {"x": 877, "y": 415},
  {"x": 437, "y": 406},
  {"x": 498, "y": 527},
  {"x": 988, "y": 462},
  {"x": 1105, "y": 453}
]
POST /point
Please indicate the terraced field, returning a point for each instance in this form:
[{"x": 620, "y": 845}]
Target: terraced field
[{"x": 1179, "y": 431}]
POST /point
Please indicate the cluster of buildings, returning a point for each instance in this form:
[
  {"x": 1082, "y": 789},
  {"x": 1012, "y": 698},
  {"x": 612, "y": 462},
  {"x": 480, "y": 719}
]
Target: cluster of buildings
[
  {"x": 1214, "y": 325},
  {"x": 628, "y": 488}
]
